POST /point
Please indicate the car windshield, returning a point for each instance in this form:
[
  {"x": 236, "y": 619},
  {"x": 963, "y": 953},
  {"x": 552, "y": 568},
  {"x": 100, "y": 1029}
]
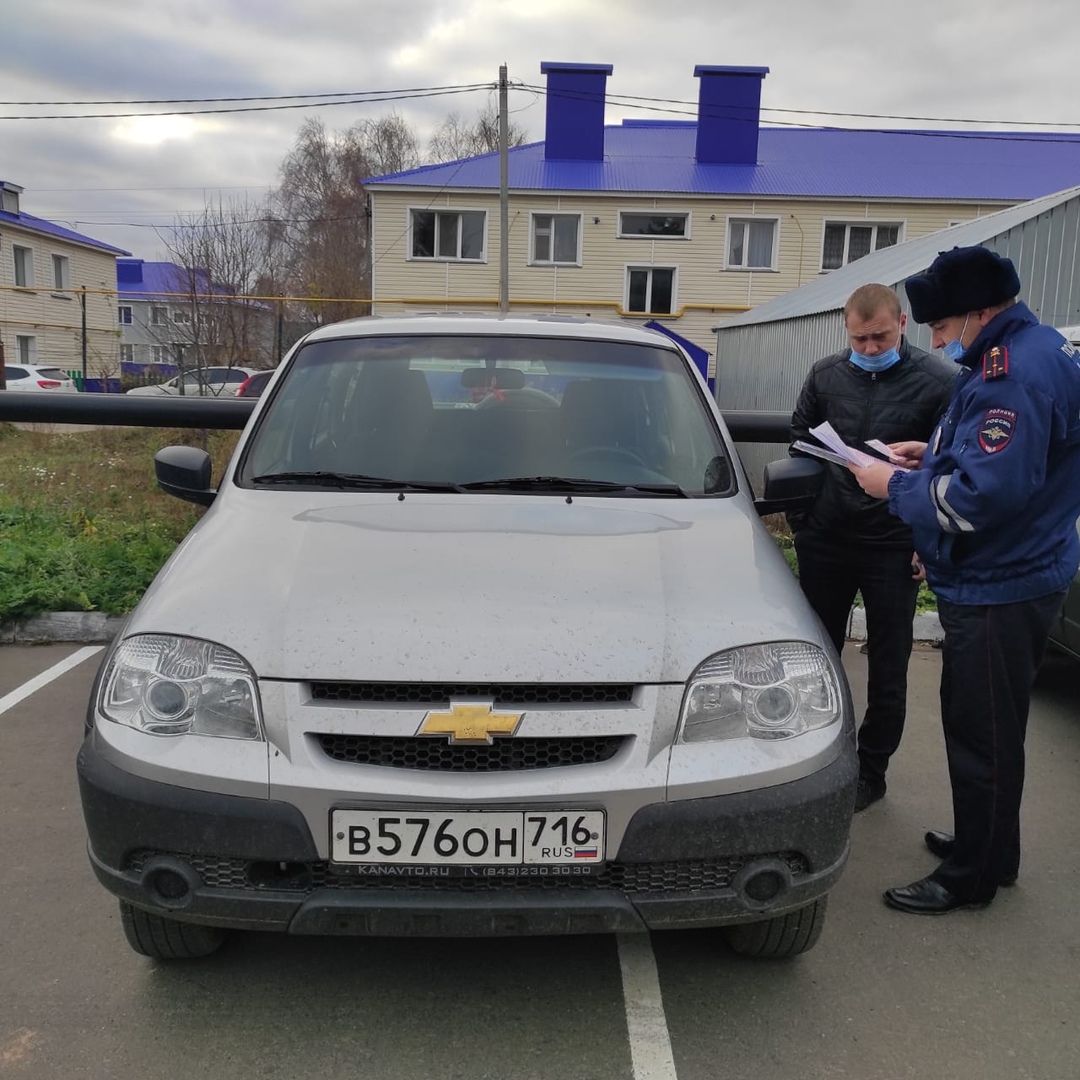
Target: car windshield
[{"x": 450, "y": 411}]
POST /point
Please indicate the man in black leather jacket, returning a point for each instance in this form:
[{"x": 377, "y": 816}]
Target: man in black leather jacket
[{"x": 879, "y": 388}]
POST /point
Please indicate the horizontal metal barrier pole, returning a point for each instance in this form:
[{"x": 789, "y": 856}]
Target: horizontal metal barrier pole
[{"x": 230, "y": 412}]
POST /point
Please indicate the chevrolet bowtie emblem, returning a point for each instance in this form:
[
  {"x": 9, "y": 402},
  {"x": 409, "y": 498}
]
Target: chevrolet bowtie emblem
[{"x": 469, "y": 722}]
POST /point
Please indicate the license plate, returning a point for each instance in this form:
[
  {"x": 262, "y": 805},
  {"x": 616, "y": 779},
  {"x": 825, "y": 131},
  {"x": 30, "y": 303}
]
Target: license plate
[{"x": 468, "y": 838}]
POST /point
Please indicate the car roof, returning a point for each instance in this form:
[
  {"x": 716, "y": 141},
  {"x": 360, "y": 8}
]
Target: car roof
[{"x": 554, "y": 326}]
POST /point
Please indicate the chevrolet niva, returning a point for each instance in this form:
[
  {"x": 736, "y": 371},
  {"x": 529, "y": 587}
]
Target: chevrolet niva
[{"x": 481, "y": 634}]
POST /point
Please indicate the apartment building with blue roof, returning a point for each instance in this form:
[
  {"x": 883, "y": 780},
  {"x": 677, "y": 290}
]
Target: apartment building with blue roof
[
  {"x": 43, "y": 270},
  {"x": 684, "y": 222}
]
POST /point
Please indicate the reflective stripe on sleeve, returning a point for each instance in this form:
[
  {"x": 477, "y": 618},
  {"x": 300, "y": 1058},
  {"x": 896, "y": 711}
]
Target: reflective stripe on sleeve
[{"x": 948, "y": 518}]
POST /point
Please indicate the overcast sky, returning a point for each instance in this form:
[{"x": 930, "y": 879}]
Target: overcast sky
[{"x": 1006, "y": 64}]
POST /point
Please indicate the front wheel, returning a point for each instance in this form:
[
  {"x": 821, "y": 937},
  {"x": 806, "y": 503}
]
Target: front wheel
[
  {"x": 167, "y": 939},
  {"x": 782, "y": 936}
]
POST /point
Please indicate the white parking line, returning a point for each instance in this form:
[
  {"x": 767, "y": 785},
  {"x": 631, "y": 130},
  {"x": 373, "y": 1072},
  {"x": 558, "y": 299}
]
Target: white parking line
[
  {"x": 8, "y": 701},
  {"x": 650, "y": 1043}
]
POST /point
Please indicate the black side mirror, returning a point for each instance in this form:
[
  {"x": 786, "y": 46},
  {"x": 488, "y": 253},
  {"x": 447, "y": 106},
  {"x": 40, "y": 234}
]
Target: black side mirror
[
  {"x": 791, "y": 484},
  {"x": 185, "y": 472}
]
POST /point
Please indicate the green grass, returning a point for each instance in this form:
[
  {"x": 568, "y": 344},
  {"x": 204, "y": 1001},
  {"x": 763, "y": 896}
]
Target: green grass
[{"x": 83, "y": 526}]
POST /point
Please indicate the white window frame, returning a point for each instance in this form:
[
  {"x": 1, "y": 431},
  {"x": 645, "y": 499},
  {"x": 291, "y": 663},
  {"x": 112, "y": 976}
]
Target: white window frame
[
  {"x": 181, "y": 316},
  {"x": 159, "y": 315},
  {"x": 857, "y": 223},
  {"x": 437, "y": 210},
  {"x": 120, "y": 314},
  {"x": 651, "y": 212},
  {"x": 744, "y": 218},
  {"x": 61, "y": 267},
  {"x": 158, "y": 354},
  {"x": 127, "y": 353},
  {"x": 648, "y": 290},
  {"x": 27, "y": 267},
  {"x": 26, "y": 350},
  {"x": 533, "y": 215}
]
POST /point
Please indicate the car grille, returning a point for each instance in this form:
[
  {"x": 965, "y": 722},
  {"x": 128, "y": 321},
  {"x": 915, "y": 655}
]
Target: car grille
[
  {"x": 436, "y": 754},
  {"x": 218, "y": 872},
  {"x": 502, "y": 694}
]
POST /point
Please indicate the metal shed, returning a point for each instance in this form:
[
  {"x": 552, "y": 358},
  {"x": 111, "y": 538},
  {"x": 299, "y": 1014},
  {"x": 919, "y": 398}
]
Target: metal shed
[{"x": 762, "y": 357}]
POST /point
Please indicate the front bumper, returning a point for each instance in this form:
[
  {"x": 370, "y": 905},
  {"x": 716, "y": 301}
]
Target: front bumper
[{"x": 252, "y": 864}]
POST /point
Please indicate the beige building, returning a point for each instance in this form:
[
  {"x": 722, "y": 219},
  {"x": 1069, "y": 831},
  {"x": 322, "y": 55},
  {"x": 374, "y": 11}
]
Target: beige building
[
  {"x": 43, "y": 269},
  {"x": 682, "y": 222}
]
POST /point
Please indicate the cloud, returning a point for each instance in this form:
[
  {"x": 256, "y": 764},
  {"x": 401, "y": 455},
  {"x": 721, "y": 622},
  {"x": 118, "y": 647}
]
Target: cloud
[{"x": 923, "y": 58}]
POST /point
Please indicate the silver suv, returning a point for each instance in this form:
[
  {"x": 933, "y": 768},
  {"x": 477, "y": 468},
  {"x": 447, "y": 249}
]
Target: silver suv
[{"x": 494, "y": 642}]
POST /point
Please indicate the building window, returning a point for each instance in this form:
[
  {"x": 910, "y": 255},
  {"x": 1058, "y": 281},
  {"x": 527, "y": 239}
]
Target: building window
[
  {"x": 157, "y": 354},
  {"x": 448, "y": 234},
  {"x": 159, "y": 316},
  {"x": 181, "y": 316},
  {"x": 650, "y": 290},
  {"x": 61, "y": 266},
  {"x": 642, "y": 224},
  {"x": 751, "y": 244},
  {"x": 124, "y": 312},
  {"x": 127, "y": 354},
  {"x": 847, "y": 241},
  {"x": 555, "y": 239},
  {"x": 24, "y": 266},
  {"x": 26, "y": 349}
]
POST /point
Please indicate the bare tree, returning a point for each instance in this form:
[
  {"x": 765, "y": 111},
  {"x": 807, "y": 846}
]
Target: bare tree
[
  {"x": 456, "y": 138},
  {"x": 223, "y": 254}
]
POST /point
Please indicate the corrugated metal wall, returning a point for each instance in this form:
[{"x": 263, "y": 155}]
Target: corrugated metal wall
[{"x": 763, "y": 366}]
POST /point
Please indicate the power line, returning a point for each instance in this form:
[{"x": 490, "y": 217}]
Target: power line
[
  {"x": 252, "y": 108},
  {"x": 733, "y": 113},
  {"x": 257, "y": 97}
]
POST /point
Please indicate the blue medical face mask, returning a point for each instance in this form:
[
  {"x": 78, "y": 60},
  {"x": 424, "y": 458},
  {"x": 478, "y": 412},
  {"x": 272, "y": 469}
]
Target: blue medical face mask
[
  {"x": 956, "y": 348},
  {"x": 882, "y": 362}
]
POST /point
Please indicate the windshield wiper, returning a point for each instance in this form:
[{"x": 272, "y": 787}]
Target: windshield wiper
[
  {"x": 570, "y": 483},
  {"x": 359, "y": 481}
]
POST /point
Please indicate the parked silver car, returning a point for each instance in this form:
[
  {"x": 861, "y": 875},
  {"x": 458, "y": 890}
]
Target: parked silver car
[
  {"x": 209, "y": 382},
  {"x": 489, "y": 638}
]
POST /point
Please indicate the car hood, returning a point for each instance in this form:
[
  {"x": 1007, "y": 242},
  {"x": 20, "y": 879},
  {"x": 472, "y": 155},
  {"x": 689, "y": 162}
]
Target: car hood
[{"x": 476, "y": 587}]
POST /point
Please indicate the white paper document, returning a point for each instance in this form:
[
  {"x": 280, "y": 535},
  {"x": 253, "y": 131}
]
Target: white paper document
[{"x": 838, "y": 451}]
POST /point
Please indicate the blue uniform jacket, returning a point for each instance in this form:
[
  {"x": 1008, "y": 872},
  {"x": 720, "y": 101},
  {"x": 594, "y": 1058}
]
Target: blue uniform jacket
[{"x": 994, "y": 507}]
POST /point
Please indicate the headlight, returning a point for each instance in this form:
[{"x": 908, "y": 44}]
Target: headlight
[
  {"x": 169, "y": 685},
  {"x": 773, "y": 691}
]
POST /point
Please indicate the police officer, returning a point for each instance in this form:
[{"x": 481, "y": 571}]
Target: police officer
[{"x": 993, "y": 502}]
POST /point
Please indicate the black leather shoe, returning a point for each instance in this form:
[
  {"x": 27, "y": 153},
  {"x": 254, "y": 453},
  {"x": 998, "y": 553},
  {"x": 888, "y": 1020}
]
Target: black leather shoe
[
  {"x": 868, "y": 792},
  {"x": 928, "y": 897},
  {"x": 941, "y": 844}
]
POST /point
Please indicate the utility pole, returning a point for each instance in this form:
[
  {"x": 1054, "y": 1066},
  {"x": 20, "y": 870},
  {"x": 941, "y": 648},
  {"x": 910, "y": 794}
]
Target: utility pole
[
  {"x": 82, "y": 305},
  {"x": 3, "y": 376},
  {"x": 504, "y": 197}
]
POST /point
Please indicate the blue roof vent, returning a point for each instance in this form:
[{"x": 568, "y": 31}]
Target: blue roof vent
[
  {"x": 729, "y": 113},
  {"x": 575, "y": 111},
  {"x": 129, "y": 271}
]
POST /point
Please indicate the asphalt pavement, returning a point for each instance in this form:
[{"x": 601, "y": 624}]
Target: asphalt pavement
[{"x": 986, "y": 995}]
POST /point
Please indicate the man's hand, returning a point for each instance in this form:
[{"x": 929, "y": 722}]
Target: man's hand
[
  {"x": 910, "y": 454},
  {"x": 918, "y": 571},
  {"x": 874, "y": 479}
]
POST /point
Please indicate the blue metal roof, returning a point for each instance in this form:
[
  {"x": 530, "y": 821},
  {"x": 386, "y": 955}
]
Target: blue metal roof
[
  {"x": 658, "y": 156},
  {"x": 138, "y": 279},
  {"x": 40, "y": 225}
]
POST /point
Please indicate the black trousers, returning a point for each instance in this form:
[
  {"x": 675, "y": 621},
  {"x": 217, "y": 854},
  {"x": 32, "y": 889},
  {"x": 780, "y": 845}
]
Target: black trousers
[
  {"x": 831, "y": 574},
  {"x": 989, "y": 659}
]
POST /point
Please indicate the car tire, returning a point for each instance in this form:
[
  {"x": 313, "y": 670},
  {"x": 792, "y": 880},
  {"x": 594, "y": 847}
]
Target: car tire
[
  {"x": 167, "y": 939},
  {"x": 782, "y": 936}
]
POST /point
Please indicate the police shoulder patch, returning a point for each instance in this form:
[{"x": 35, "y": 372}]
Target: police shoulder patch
[
  {"x": 995, "y": 363},
  {"x": 996, "y": 430}
]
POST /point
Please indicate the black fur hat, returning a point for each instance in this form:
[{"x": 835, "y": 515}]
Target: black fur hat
[{"x": 962, "y": 280}]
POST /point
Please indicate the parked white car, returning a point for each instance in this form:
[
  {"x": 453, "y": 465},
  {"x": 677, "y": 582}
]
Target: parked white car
[
  {"x": 210, "y": 382},
  {"x": 23, "y": 377},
  {"x": 481, "y": 634}
]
